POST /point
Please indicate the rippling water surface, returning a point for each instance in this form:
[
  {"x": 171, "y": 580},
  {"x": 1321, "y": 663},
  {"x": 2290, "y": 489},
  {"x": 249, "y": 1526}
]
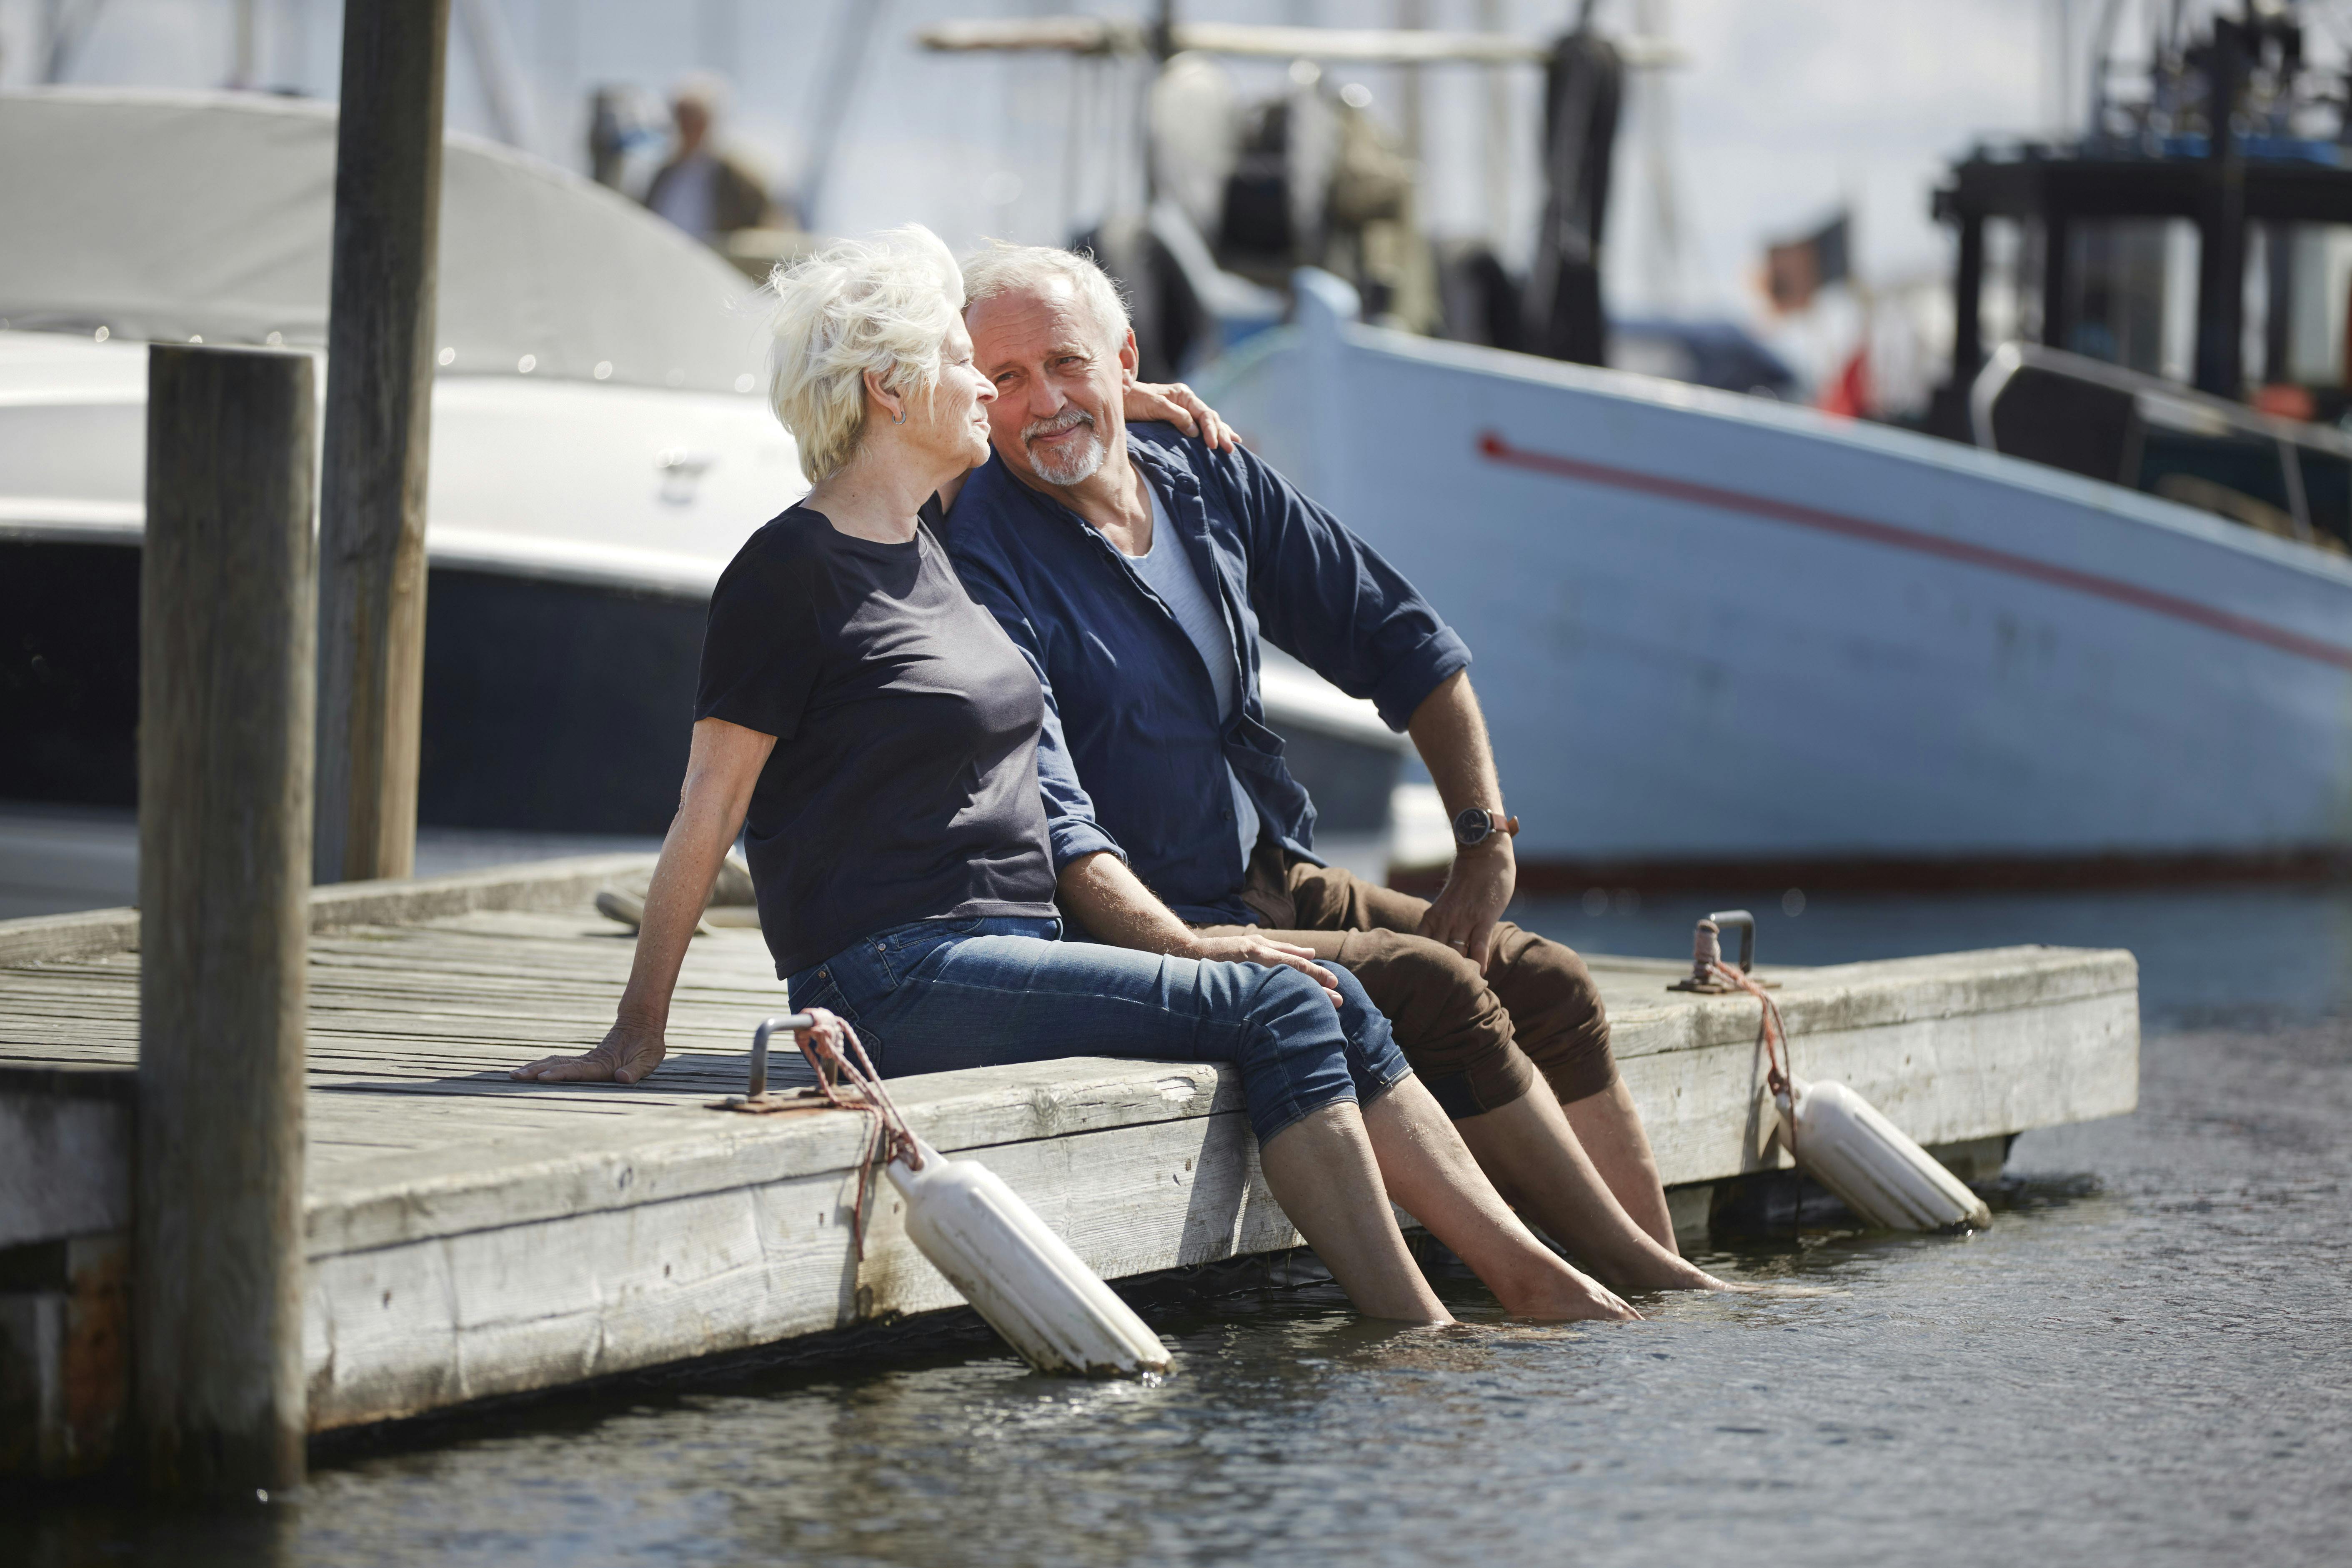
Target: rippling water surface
[{"x": 2147, "y": 1359}]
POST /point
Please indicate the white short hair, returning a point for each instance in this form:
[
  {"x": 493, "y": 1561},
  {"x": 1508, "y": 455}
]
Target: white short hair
[
  {"x": 1002, "y": 268},
  {"x": 885, "y": 305}
]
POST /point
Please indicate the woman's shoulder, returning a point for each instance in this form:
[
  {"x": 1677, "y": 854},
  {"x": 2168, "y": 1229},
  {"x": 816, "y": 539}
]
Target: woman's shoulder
[
  {"x": 797, "y": 533},
  {"x": 798, "y": 530},
  {"x": 787, "y": 549}
]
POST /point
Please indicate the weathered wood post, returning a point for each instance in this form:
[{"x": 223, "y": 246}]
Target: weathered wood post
[
  {"x": 229, "y": 600},
  {"x": 379, "y": 411}
]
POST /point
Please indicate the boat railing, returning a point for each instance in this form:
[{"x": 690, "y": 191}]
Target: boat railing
[{"x": 2285, "y": 477}]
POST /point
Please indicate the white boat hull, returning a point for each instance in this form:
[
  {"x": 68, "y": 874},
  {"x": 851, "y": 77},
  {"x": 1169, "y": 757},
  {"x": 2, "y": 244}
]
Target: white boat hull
[
  {"x": 1712, "y": 632},
  {"x": 573, "y": 530}
]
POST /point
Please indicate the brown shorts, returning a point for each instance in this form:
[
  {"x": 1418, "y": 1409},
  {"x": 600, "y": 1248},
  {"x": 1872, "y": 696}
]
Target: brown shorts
[{"x": 1476, "y": 1041}]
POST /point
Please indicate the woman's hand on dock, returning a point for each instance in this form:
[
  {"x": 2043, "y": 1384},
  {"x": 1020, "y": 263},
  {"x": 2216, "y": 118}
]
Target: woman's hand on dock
[{"x": 627, "y": 1054}]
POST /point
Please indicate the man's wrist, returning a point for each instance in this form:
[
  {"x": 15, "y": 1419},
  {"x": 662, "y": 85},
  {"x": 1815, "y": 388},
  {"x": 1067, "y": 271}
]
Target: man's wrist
[{"x": 1476, "y": 827}]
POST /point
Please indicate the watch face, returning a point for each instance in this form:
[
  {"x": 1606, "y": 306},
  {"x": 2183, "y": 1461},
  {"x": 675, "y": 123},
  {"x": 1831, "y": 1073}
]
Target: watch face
[{"x": 1472, "y": 825}]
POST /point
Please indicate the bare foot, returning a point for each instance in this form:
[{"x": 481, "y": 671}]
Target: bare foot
[
  {"x": 1681, "y": 1276},
  {"x": 1566, "y": 1296}
]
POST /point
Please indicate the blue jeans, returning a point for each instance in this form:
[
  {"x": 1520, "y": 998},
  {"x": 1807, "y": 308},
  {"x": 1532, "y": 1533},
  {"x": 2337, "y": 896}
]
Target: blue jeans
[{"x": 942, "y": 994}]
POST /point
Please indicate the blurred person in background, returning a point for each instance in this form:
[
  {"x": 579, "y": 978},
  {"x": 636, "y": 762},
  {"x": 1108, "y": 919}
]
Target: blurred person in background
[{"x": 700, "y": 189}]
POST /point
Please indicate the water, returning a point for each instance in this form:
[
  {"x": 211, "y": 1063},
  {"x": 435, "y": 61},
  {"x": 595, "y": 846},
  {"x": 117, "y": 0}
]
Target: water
[{"x": 2147, "y": 1359}]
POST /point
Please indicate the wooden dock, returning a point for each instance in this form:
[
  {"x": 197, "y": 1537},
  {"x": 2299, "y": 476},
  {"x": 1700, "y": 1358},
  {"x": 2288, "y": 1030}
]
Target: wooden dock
[{"x": 468, "y": 1236}]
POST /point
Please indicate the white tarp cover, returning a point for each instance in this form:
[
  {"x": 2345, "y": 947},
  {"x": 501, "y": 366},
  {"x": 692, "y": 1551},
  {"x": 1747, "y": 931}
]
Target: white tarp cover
[{"x": 167, "y": 215}]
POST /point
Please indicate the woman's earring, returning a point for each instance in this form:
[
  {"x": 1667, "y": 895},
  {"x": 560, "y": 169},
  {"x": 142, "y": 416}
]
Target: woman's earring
[{"x": 901, "y": 418}]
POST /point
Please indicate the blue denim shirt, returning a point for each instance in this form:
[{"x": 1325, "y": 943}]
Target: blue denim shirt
[{"x": 1132, "y": 757}]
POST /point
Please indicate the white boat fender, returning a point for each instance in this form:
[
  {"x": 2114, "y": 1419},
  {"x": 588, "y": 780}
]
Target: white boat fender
[
  {"x": 1840, "y": 1139},
  {"x": 1884, "y": 1176},
  {"x": 1004, "y": 1260}
]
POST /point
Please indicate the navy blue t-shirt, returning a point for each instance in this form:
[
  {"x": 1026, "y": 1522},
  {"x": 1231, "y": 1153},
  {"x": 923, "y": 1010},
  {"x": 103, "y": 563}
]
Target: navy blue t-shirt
[{"x": 904, "y": 781}]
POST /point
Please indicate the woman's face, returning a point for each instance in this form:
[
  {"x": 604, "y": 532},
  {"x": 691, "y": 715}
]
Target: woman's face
[{"x": 956, "y": 425}]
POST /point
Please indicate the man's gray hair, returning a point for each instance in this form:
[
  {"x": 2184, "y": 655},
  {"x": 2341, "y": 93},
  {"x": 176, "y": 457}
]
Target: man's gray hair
[{"x": 1003, "y": 268}]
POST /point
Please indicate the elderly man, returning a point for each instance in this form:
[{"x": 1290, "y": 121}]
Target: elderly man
[{"x": 1137, "y": 569}]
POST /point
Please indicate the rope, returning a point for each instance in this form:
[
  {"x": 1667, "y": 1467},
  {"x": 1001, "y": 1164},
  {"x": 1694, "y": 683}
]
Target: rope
[
  {"x": 887, "y": 1137},
  {"x": 1772, "y": 1033}
]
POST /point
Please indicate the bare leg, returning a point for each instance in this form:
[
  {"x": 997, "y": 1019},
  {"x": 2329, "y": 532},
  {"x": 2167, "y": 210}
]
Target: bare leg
[
  {"x": 1611, "y": 1130},
  {"x": 1321, "y": 1171},
  {"x": 1533, "y": 1155},
  {"x": 1430, "y": 1173}
]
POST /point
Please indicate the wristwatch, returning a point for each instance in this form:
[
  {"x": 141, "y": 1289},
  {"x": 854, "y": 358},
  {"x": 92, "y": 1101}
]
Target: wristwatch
[{"x": 1476, "y": 826}]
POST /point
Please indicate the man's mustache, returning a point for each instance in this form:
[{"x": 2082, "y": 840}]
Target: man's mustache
[{"x": 1067, "y": 419}]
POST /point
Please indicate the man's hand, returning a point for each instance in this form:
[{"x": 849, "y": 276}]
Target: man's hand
[
  {"x": 628, "y": 1053},
  {"x": 1250, "y": 947},
  {"x": 1477, "y": 891},
  {"x": 1178, "y": 404}
]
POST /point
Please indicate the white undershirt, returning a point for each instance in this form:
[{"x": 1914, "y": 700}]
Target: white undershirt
[{"x": 1167, "y": 568}]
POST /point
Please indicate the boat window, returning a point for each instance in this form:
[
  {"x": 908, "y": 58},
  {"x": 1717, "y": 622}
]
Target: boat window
[
  {"x": 2315, "y": 267},
  {"x": 1999, "y": 304},
  {"x": 2236, "y": 474},
  {"x": 2327, "y": 484},
  {"x": 2130, "y": 294}
]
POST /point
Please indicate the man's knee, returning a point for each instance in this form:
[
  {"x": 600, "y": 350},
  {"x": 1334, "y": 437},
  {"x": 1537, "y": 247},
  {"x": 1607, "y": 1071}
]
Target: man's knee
[
  {"x": 1454, "y": 1029},
  {"x": 1555, "y": 1012}
]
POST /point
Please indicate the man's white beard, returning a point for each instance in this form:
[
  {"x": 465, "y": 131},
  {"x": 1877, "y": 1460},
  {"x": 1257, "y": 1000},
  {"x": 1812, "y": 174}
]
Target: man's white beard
[{"x": 1063, "y": 464}]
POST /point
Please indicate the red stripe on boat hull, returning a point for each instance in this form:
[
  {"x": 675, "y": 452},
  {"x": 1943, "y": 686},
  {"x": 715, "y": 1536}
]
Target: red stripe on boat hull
[{"x": 1495, "y": 449}]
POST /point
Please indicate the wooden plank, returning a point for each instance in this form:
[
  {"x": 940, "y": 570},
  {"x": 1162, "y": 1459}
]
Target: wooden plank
[
  {"x": 1854, "y": 996},
  {"x": 64, "y": 1380},
  {"x": 399, "y": 1330},
  {"x": 97, "y": 934},
  {"x": 469, "y": 1236},
  {"x": 227, "y": 617},
  {"x": 1941, "y": 1080},
  {"x": 63, "y": 1164},
  {"x": 87, "y": 933},
  {"x": 668, "y": 1153}
]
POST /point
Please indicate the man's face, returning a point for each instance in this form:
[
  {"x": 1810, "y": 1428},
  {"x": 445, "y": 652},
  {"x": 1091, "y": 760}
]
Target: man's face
[
  {"x": 1059, "y": 377},
  {"x": 693, "y": 123}
]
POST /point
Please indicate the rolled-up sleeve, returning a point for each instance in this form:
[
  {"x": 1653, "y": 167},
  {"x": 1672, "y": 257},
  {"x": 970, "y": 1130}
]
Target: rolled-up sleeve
[
  {"x": 1070, "y": 826},
  {"x": 1332, "y": 601}
]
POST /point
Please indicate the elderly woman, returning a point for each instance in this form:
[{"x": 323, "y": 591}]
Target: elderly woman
[{"x": 879, "y": 733}]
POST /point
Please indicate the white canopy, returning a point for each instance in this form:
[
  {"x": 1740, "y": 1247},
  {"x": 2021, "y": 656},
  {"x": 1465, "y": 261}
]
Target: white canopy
[{"x": 168, "y": 215}]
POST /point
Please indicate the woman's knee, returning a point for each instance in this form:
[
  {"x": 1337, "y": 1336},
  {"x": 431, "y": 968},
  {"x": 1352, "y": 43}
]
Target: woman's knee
[
  {"x": 1292, "y": 1013},
  {"x": 1374, "y": 1060},
  {"x": 1294, "y": 1051}
]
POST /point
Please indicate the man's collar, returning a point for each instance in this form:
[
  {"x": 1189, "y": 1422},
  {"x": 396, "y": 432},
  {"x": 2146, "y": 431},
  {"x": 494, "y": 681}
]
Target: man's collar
[{"x": 1045, "y": 501}]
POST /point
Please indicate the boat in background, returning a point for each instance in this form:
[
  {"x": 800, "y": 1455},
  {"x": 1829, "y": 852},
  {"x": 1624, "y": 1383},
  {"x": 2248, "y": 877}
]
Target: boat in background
[
  {"x": 598, "y": 454},
  {"x": 1720, "y": 638},
  {"x": 595, "y": 451},
  {"x": 2291, "y": 478}
]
